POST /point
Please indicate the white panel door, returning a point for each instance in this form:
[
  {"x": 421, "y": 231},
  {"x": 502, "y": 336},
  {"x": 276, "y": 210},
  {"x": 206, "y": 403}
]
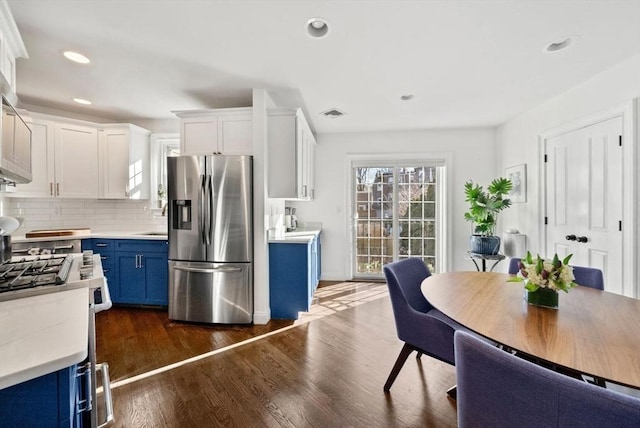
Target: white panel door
[
  {"x": 76, "y": 161},
  {"x": 199, "y": 135},
  {"x": 114, "y": 163},
  {"x": 584, "y": 198}
]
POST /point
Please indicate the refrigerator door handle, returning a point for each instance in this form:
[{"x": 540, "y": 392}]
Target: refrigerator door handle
[
  {"x": 209, "y": 218},
  {"x": 211, "y": 270},
  {"x": 203, "y": 201}
]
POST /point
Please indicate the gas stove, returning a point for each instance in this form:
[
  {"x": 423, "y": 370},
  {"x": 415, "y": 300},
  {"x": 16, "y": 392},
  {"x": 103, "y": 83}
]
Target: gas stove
[
  {"x": 27, "y": 276},
  {"x": 21, "y": 273}
]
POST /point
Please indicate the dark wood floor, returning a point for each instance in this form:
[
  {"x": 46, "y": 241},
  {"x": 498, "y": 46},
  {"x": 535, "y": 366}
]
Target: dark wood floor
[
  {"x": 326, "y": 373},
  {"x": 136, "y": 340}
]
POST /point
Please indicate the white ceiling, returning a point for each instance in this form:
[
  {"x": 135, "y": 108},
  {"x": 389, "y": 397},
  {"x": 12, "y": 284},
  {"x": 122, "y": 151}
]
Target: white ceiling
[{"x": 468, "y": 63}]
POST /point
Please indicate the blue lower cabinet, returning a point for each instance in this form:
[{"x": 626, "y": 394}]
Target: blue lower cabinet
[
  {"x": 142, "y": 272},
  {"x": 137, "y": 270},
  {"x": 131, "y": 278},
  {"x": 105, "y": 248},
  {"x": 156, "y": 278},
  {"x": 294, "y": 272},
  {"x": 51, "y": 400}
]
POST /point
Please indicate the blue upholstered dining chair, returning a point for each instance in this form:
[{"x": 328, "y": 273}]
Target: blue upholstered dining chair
[
  {"x": 419, "y": 325},
  {"x": 585, "y": 276},
  {"x": 497, "y": 389}
]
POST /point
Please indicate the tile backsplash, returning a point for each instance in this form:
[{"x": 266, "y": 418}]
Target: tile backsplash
[{"x": 99, "y": 215}]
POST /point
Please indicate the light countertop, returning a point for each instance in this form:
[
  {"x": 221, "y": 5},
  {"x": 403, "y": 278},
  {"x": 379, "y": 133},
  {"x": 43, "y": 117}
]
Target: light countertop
[
  {"x": 42, "y": 334},
  {"x": 104, "y": 235},
  {"x": 300, "y": 236}
]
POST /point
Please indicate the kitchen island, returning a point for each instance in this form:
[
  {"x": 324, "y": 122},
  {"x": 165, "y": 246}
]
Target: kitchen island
[
  {"x": 42, "y": 334},
  {"x": 45, "y": 333}
]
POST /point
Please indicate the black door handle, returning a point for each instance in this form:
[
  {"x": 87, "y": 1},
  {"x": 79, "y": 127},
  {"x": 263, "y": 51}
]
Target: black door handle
[
  {"x": 582, "y": 239},
  {"x": 570, "y": 237}
]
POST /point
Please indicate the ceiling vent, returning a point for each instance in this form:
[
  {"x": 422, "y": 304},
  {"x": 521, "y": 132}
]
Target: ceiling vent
[{"x": 333, "y": 113}]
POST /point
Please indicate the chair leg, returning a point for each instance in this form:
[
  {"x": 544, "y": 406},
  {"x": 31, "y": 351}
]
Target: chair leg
[
  {"x": 453, "y": 392},
  {"x": 404, "y": 354}
]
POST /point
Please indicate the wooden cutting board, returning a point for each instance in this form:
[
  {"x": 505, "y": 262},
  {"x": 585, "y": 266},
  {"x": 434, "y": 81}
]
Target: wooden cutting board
[{"x": 58, "y": 232}]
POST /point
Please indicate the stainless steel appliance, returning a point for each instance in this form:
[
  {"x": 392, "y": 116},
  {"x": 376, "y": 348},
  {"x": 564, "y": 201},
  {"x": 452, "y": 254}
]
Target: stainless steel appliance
[
  {"x": 15, "y": 146},
  {"x": 210, "y": 239}
]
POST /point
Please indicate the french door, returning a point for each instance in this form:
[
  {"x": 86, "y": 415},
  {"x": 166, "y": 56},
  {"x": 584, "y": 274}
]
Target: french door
[{"x": 397, "y": 214}]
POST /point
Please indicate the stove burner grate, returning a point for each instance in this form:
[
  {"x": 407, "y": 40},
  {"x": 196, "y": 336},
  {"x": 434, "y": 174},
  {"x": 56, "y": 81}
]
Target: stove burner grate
[{"x": 50, "y": 270}]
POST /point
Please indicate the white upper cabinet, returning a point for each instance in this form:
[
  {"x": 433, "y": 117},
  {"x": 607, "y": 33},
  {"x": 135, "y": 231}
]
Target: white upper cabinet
[
  {"x": 291, "y": 154},
  {"x": 77, "y": 159},
  {"x": 218, "y": 131},
  {"x": 64, "y": 160},
  {"x": 124, "y": 162},
  {"x": 11, "y": 45}
]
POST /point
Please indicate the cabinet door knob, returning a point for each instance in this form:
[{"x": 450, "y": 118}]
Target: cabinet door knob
[
  {"x": 570, "y": 237},
  {"x": 582, "y": 239}
]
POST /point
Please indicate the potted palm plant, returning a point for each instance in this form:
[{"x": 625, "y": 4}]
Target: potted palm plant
[{"x": 483, "y": 213}]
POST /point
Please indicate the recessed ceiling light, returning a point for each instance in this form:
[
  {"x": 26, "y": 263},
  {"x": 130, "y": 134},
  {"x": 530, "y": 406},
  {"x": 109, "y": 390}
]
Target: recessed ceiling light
[
  {"x": 561, "y": 43},
  {"x": 76, "y": 57},
  {"x": 317, "y": 27},
  {"x": 406, "y": 97},
  {"x": 82, "y": 101}
]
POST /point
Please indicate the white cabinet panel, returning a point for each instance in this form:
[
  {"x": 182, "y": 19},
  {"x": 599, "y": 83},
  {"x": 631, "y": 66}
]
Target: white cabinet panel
[
  {"x": 235, "y": 135},
  {"x": 11, "y": 46},
  {"x": 217, "y": 131},
  {"x": 291, "y": 154},
  {"x": 76, "y": 161},
  {"x": 124, "y": 162},
  {"x": 199, "y": 135}
]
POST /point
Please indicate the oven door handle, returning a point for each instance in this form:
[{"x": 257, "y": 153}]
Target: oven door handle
[{"x": 106, "y": 390}]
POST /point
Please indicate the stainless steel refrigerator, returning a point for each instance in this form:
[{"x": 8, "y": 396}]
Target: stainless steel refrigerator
[{"x": 210, "y": 239}]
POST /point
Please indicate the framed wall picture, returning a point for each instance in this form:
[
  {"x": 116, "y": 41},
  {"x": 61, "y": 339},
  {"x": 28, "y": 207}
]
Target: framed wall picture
[{"x": 518, "y": 176}]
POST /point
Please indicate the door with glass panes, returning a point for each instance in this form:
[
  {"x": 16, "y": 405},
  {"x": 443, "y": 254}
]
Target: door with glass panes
[{"x": 395, "y": 216}]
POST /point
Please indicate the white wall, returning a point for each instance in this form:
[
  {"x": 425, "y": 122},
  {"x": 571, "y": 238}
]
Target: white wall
[
  {"x": 473, "y": 157},
  {"x": 517, "y": 139}
]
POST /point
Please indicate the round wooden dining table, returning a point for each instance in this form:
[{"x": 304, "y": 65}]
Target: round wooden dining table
[{"x": 593, "y": 332}]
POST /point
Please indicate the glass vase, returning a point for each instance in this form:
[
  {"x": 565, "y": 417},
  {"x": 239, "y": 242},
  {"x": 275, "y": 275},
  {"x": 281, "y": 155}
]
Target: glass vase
[{"x": 544, "y": 297}]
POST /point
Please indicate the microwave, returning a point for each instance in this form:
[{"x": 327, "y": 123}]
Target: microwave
[{"x": 15, "y": 146}]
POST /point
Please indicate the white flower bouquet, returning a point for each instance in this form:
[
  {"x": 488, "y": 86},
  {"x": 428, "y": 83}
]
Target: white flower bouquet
[{"x": 539, "y": 273}]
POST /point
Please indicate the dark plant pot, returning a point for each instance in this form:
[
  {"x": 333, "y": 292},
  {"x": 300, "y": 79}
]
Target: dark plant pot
[
  {"x": 545, "y": 297},
  {"x": 489, "y": 245}
]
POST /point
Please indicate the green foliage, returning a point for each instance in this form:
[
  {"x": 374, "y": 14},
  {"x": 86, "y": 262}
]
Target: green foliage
[{"x": 484, "y": 206}]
